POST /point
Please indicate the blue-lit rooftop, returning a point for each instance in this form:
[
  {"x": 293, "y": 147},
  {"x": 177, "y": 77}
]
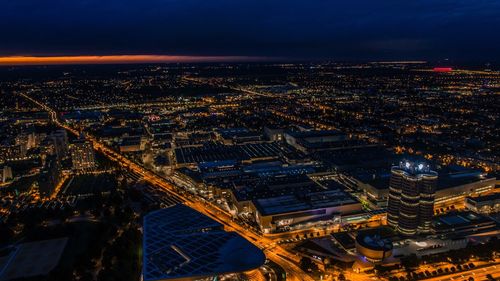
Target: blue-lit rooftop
[{"x": 180, "y": 242}]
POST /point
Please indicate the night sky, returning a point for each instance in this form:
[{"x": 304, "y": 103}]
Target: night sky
[{"x": 307, "y": 29}]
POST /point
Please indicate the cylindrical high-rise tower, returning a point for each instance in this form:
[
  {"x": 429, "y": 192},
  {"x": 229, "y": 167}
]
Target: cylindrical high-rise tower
[
  {"x": 394, "y": 197},
  {"x": 426, "y": 210},
  {"x": 411, "y": 198}
]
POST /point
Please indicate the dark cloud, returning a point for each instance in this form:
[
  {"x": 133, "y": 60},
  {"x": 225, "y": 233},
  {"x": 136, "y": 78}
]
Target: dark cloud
[{"x": 388, "y": 29}]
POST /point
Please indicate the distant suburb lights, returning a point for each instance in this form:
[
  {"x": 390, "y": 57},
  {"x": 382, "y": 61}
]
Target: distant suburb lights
[{"x": 114, "y": 59}]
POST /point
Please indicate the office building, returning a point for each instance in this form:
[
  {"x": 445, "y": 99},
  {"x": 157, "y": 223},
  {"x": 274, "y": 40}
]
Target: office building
[
  {"x": 82, "y": 155},
  {"x": 50, "y": 175},
  {"x": 6, "y": 174},
  {"x": 60, "y": 140},
  {"x": 25, "y": 142},
  {"x": 10, "y": 152},
  {"x": 411, "y": 198},
  {"x": 290, "y": 202}
]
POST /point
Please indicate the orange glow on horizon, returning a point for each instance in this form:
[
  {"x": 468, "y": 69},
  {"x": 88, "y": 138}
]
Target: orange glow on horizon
[{"x": 118, "y": 59}]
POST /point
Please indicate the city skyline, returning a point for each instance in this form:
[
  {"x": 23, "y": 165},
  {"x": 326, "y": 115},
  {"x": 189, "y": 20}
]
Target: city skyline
[{"x": 249, "y": 140}]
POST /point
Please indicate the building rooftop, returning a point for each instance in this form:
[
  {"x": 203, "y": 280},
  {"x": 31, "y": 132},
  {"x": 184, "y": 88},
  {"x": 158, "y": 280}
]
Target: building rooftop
[
  {"x": 252, "y": 187},
  {"x": 32, "y": 259},
  {"x": 344, "y": 239},
  {"x": 413, "y": 167},
  {"x": 309, "y": 201},
  {"x": 133, "y": 140},
  {"x": 239, "y": 134},
  {"x": 377, "y": 239},
  {"x": 212, "y": 151},
  {"x": 180, "y": 242},
  {"x": 461, "y": 224},
  {"x": 485, "y": 198},
  {"x": 361, "y": 158},
  {"x": 314, "y": 134}
]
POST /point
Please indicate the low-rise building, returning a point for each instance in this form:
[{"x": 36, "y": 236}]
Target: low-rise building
[
  {"x": 297, "y": 211},
  {"x": 133, "y": 144},
  {"x": 484, "y": 204},
  {"x": 82, "y": 155},
  {"x": 465, "y": 224}
]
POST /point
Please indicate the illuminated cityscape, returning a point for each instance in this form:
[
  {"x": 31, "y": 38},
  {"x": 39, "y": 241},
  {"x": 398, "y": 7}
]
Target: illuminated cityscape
[{"x": 245, "y": 148}]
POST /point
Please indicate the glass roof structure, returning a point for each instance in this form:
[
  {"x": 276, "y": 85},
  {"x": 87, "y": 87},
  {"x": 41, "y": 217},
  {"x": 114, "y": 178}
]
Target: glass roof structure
[{"x": 181, "y": 243}]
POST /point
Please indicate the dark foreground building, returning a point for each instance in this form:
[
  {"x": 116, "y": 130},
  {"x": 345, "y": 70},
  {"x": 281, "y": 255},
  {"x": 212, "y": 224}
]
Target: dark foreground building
[
  {"x": 183, "y": 244},
  {"x": 411, "y": 198}
]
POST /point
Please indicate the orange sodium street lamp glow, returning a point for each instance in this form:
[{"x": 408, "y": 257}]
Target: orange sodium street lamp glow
[{"x": 33, "y": 60}]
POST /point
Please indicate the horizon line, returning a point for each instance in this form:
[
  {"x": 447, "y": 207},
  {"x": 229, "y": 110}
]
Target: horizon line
[{"x": 120, "y": 59}]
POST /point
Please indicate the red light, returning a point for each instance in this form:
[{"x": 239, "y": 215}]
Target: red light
[{"x": 442, "y": 69}]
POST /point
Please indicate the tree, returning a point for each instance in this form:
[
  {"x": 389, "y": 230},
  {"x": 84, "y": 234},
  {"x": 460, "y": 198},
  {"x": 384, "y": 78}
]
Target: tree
[
  {"x": 86, "y": 276},
  {"x": 6, "y": 234},
  {"x": 382, "y": 270},
  {"x": 308, "y": 265},
  {"x": 410, "y": 262}
]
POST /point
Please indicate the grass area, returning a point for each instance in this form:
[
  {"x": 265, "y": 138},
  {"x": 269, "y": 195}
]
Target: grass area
[
  {"x": 104, "y": 241},
  {"x": 83, "y": 237}
]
